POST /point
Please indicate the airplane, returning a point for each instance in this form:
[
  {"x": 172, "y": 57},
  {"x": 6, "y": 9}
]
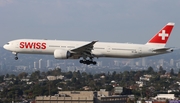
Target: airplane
[{"x": 87, "y": 51}]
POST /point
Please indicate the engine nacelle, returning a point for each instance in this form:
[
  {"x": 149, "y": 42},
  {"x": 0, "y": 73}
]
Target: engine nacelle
[{"x": 62, "y": 54}]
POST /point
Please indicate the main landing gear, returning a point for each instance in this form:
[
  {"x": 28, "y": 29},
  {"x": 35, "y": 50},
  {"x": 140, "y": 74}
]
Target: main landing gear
[{"x": 88, "y": 62}]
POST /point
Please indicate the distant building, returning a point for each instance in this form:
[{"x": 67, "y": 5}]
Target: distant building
[
  {"x": 99, "y": 63},
  {"x": 35, "y": 65},
  {"x": 165, "y": 96},
  {"x": 172, "y": 62},
  {"x": 131, "y": 62},
  {"x": 25, "y": 80},
  {"x": 161, "y": 62},
  {"x": 83, "y": 97},
  {"x": 148, "y": 102},
  {"x": 166, "y": 75},
  {"x": 141, "y": 83},
  {"x": 40, "y": 63},
  {"x": 29, "y": 67},
  {"x": 86, "y": 88},
  {"x": 52, "y": 78},
  {"x": 137, "y": 63},
  {"x": 116, "y": 63},
  {"x": 48, "y": 64},
  {"x": 118, "y": 90},
  {"x": 177, "y": 65},
  {"x": 144, "y": 78},
  {"x": 3, "y": 66},
  {"x": 143, "y": 62}
]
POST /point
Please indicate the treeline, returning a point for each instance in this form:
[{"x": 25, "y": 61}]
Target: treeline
[{"x": 16, "y": 89}]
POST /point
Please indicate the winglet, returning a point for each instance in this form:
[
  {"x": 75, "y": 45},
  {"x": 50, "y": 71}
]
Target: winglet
[{"x": 161, "y": 38}]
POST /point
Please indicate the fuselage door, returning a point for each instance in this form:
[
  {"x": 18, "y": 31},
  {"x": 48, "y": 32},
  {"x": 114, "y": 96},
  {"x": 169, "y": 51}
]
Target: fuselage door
[
  {"x": 16, "y": 45},
  {"x": 140, "y": 51},
  {"x": 108, "y": 48}
]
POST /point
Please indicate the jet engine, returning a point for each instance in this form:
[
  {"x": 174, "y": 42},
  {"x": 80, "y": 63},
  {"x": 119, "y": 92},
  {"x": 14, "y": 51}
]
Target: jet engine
[{"x": 62, "y": 54}]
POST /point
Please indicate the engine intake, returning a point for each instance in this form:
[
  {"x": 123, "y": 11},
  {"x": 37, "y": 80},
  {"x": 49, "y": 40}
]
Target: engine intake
[{"x": 62, "y": 54}]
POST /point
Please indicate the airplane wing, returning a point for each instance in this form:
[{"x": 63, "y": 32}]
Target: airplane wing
[{"x": 84, "y": 49}]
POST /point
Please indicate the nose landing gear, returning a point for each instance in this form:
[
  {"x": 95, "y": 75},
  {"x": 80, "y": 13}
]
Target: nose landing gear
[{"x": 16, "y": 57}]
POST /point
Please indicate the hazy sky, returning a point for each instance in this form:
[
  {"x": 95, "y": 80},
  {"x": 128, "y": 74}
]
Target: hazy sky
[{"x": 133, "y": 21}]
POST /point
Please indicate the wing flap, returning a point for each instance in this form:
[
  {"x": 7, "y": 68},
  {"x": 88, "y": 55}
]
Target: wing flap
[{"x": 84, "y": 48}]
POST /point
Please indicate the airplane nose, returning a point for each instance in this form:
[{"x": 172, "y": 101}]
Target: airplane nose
[{"x": 5, "y": 46}]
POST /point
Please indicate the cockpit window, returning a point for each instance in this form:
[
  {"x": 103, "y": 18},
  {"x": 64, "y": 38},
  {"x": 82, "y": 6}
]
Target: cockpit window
[{"x": 7, "y": 43}]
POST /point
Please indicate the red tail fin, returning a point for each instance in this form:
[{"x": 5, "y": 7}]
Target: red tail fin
[{"x": 162, "y": 36}]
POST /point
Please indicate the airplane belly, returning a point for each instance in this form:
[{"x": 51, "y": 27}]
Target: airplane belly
[
  {"x": 121, "y": 54},
  {"x": 115, "y": 54}
]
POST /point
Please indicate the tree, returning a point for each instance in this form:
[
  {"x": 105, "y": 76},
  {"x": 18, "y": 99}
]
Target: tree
[
  {"x": 1, "y": 78},
  {"x": 130, "y": 101},
  {"x": 43, "y": 74},
  {"x": 35, "y": 75},
  {"x": 22, "y": 75},
  {"x": 74, "y": 80},
  {"x": 109, "y": 87},
  {"x": 7, "y": 75},
  {"x": 161, "y": 71},
  {"x": 150, "y": 70},
  {"x": 143, "y": 101},
  {"x": 167, "y": 101},
  {"x": 172, "y": 72},
  {"x": 77, "y": 74},
  {"x": 113, "y": 75},
  {"x": 56, "y": 72},
  {"x": 92, "y": 84},
  {"x": 12, "y": 76},
  {"x": 179, "y": 73},
  {"x": 68, "y": 75}
]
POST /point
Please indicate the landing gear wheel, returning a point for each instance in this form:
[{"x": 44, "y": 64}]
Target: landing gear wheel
[
  {"x": 81, "y": 61},
  {"x": 94, "y": 63},
  {"x": 16, "y": 58},
  {"x": 87, "y": 62}
]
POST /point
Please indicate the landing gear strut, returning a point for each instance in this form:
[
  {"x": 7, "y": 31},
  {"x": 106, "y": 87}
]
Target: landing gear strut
[
  {"x": 16, "y": 57},
  {"x": 88, "y": 62}
]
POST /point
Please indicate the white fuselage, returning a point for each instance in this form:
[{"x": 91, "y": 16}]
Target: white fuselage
[{"x": 100, "y": 49}]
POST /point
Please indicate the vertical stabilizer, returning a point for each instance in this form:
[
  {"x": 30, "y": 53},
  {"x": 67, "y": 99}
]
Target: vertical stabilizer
[{"x": 161, "y": 38}]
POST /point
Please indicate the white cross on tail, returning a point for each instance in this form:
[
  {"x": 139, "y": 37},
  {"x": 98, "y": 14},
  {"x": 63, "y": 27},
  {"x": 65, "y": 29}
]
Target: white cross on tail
[{"x": 163, "y": 35}]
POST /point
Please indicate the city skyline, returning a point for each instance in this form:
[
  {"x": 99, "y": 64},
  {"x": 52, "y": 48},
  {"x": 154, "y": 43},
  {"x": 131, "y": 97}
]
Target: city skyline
[{"x": 29, "y": 63}]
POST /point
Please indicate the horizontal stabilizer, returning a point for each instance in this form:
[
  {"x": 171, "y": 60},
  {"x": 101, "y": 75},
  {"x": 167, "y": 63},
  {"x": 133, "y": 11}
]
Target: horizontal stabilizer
[{"x": 162, "y": 49}]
